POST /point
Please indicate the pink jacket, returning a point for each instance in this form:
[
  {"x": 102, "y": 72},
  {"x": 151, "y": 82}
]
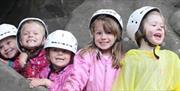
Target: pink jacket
[
  {"x": 90, "y": 74},
  {"x": 57, "y": 78}
]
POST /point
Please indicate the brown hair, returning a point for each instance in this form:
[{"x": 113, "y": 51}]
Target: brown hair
[{"x": 108, "y": 24}]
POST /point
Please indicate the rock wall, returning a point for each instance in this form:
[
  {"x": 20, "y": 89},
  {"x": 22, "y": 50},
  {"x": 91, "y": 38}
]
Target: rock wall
[{"x": 12, "y": 81}]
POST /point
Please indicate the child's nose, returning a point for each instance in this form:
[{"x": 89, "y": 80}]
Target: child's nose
[
  {"x": 60, "y": 52},
  {"x": 160, "y": 28},
  {"x": 104, "y": 35},
  {"x": 30, "y": 34}
]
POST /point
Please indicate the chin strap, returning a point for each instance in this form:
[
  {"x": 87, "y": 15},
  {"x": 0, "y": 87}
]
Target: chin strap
[
  {"x": 156, "y": 47},
  {"x": 156, "y": 50},
  {"x": 149, "y": 43},
  {"x": 32, "y": 54}
]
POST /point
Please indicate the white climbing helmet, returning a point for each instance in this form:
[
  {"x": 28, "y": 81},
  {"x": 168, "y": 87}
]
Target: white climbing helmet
[
  {"x": 7, "y": 30},
  {"x": 33, "y": 19},
  {"x": 109, "y": 12},
  {"x": 24, "y": 21},
  {"x": 135, "y": 20},
  {"x": 62, "y": 39}
]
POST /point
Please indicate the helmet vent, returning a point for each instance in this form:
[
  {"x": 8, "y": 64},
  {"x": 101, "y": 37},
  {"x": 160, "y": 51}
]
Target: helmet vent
[
  {"x": 5, "y": 33},
  {"x": 136, "y": 22},
  {"x": 53, "y": 42}
]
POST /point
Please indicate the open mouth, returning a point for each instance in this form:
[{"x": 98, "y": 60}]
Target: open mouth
[
  {"x": 157, "y": 35},
  {"x": 59, "y": 59},
  {"x": 29, "y": 41},
  {"x": 9, "y": 51},
  {"x": 104, "y": 42}
]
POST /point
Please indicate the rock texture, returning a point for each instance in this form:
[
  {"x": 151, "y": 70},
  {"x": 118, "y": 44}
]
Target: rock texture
[{"x": 12, "y": 81}]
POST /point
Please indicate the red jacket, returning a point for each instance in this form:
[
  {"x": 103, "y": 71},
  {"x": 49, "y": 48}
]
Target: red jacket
[{"x": 33, "y": 66}]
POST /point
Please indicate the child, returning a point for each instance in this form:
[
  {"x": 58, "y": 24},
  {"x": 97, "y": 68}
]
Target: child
[
  {"x": 8, "y": 46},
  {"x": 97, "y": 65},
  {"x": 31, "y": 36},
  {"x": 148, "y": 68},
  {"x": 61, "y": 47}
]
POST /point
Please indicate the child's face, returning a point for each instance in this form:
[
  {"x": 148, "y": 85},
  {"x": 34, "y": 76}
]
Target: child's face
[
  {"x": 59, "y": 57},
  {"x": 103, "y": 39},
  {"x": 8, "y": 47},
  {"x": 32, "y": 35},
  {"x": 155, "y": 28}
]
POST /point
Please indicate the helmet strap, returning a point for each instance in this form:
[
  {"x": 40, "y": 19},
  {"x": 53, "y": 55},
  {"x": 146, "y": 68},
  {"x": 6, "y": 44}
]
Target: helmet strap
[
  {"x": 32, "y": 54},
  {"x": 152, "y": 45},
  {"x": 145, "y": 38},
  {"x": 149, "y": 43}
]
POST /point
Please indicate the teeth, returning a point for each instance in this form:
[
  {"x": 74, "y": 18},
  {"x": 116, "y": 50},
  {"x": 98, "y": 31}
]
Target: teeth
[
  {"x": 157, "y": 35},
  {"x": 9, "y": 49},
  {"x": 59, "y": 59},
  {"x": 30, "y": 41}
]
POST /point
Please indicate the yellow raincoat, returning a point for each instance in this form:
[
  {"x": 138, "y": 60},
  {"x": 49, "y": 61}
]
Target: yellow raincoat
[{"x": 141, "y": 71}]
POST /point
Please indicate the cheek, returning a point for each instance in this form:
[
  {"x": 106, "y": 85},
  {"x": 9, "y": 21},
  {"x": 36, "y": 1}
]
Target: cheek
[
  {"x": 23, "y": 36},
  {"x": 22, "y": 39},
  {"x": 69, "y": 57},
  {"x": 51, "y": 54},
  {"x": 95, "y": 39},
  {"x": 149, "y": 34},
  {"x": 13, "y": 43}
]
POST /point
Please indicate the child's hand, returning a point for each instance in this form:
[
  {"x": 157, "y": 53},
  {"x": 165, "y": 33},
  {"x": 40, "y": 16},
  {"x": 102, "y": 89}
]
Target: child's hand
[
  {"x": 35, "y": 82},
  {"x": 23, "y": 58}
]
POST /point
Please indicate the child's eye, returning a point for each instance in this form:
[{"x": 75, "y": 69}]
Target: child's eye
[
  {"x": 35, "y": 33},
  {"x": 109, "y": 32},
  {"x": 1, "y": 47},
  {"x": 98, "y": 33},
  {"x": 153, "y": 25},
  {"x": 54, "y": 49},
  {"x": 25, "y": 33},
  {"x": 65, "y": 51},
  {"x": 9, "y": 42}
]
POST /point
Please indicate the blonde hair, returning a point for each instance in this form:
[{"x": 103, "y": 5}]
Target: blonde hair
[
  {"x": 34, "y": 21},
  {"x": 108, "y": 24}
]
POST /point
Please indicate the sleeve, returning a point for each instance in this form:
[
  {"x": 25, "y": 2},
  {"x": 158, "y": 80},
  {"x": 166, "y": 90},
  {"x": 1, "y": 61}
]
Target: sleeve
[
  {"x": 80, "y": 74},
  {"x": 54, "y": 87},
  {"x": 16, "y": 65},
  {"x": 126, "y": 79}
]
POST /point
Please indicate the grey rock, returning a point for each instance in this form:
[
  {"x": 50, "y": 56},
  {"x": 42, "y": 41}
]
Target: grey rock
[{"x": 10, "y": 80}]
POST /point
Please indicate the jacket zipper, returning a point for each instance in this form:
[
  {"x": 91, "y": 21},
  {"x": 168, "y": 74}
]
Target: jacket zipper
[{"x": 105, "y": 77}]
